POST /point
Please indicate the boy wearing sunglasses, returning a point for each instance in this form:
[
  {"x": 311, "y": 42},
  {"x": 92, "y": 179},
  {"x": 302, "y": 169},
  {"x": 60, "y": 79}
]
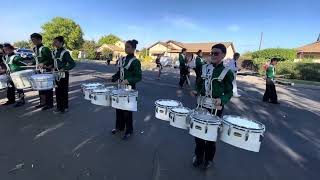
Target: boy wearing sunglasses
[{"x": 221, "y": 78}]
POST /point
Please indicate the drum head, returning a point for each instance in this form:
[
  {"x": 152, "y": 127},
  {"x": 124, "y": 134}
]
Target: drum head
[
  {"x": 205, "y": 117},
  {"x": 103, "y": 90},
  {"x": 243, "y": 122},
  {"x": 42, "y": 76},
  {"x": 168, "y": 102},
  {"x": 182, "y": 110},
  {"x": 91, "y": 84}
]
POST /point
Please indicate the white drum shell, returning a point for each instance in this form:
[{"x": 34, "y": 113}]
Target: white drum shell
[
  {"x": 204, "y": 130},
  {"x": 101, "y": 98},
  {"x": 88, "y": 88},
  {"x": 3, "y": 81},
  {"x": 179, "y": 119},
  {"x": 162, "y": 111},
  {"x": 127, "y": 101},
  {"x": 241, "y": 137},
  {"x": 41, "y": 82},
  {"x": 21, "y": 79}
]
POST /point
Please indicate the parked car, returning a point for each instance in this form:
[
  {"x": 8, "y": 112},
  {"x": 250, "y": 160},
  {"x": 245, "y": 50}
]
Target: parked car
[
  {"x": 25, "y": 53},
  {"x": 176, "y": 63}
]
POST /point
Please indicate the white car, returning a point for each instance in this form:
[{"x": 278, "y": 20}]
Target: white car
[{"x": 166, "y": 61}]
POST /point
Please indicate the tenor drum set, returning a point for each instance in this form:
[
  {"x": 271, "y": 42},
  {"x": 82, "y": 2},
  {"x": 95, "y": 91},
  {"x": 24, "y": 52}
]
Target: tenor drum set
[
  {"x": 120, "y": 97},
  {"x": 29, "y": 79},
  {"x": 234, "y": 130}
]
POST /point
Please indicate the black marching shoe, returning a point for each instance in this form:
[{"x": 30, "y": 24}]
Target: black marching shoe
[
  {"x": 19, "y": 104},
  {"x": 114, "y": 131},
  {"x": 207, "y": 164},
  {"x": 196, "y": 162},
  {"x": 58, "y": 111},
  {"x": 126, "y": 136},
  {"x": 46, "y": 108}
]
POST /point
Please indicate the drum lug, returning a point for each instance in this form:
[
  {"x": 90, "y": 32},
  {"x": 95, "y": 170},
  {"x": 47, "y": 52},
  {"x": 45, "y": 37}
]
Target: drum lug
[
  {"x": 95, "y": 97},
  {"x": 156, "y": 109},
  {"x": 107, "y": 97},
  {"x": 191, "y": 125},
  {"x": 229, "y": 130},
  {"x": 247, "y": 136},
  {"x": 166, "y": 110},
  {"x": 128, "y": 99},
  {"x": 206, "y": 129},
  {"x": 117, "y": 99},
  {"x": 90, "y": 96}
]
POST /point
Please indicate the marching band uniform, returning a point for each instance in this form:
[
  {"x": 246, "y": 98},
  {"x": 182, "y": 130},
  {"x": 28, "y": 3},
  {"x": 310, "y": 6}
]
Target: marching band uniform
[
  {"x": 233, "y": 66},
  {"x": 183, "y": 69},
  {"x": 130, "y": 69},
  {"x": 270, "y": 94},
  {"x": 14, "y": 64},
  {"x": 211, "y": 73},
  {"x": 198, "y": 68},
  {"x": 43, "y": 55},
  {"x": 63, "y": 63}
]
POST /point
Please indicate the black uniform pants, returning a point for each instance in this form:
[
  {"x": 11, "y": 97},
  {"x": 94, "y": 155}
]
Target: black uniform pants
[
  {"x": 206, "y": 149},
  {"x": 124, "y": 120},
  {"x": 11, "y": 93},
  {"x": 46, "y": 97},
  {"x": 270, "y": 95},
  {"x": 62, "y": 90},
  {"x": 183, "y": 75}
]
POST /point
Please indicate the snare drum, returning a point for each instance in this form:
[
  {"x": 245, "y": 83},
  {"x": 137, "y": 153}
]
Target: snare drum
[
  {"x": 88, "y": 87},
  {"x": 242, "y": 133},
  {"x": 101, "y": 97},
  {"x": 125, "y": 99},
  {"x": 204, "y": 126},
  {"x": 163, "y": 107},
  {"x": 179, "y": 117},
  {"x": 41, "y": 82},
  {"x": 21, "y": 79},
  {"x": 3, "y": 81}
]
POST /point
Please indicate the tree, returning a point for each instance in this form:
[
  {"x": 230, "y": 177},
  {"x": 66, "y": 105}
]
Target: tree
[
  {"x": 143, "y": 53},
  {"x": 109, "y": 39},
  {"x": 23, "y": 44},
  {"x": 90, "y": 48},
  {"x": 65, "y": 27}
]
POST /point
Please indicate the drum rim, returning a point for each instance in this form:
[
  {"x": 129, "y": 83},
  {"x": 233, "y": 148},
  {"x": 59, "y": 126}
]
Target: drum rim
[
  {"x": 130, "y": 93},
  {"x": 172, "y": 110},
  {"x": 204, "y": 121},
  {"x": 159, "y": 105},
  {"x": 84, "y": 85},
  {"x": 263, "y": 128}
]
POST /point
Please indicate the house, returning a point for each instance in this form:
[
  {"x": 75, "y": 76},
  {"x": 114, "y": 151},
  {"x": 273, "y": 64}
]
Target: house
[
  {"x": 117, "y": 48},
  {"x": 173, "y": 48},
  {"x": 309, "y": 51}
]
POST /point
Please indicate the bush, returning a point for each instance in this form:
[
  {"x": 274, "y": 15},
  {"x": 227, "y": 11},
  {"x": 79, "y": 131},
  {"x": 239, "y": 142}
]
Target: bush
[
  {"x": 75, "y": 54},
  {"x": 300, "y": 70},
  {"x": 281, "y": 54},
  {"x": 147, "y": 59}
]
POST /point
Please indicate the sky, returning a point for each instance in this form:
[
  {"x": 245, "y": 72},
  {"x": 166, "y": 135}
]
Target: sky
[{"x": 284, "y": 23}]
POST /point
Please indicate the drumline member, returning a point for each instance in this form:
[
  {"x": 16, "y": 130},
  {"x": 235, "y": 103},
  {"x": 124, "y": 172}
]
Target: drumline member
[
  {"x": 43, "y": 61},
  {"x": 233, "y": 66},
  {"x": 183, "y": 67},
  {"x": 129, "y": 74},
  {"x": 221, "y": 92},
  {"x": 159, "y": 65},
  {"x": 2, "y": 64},
  {"x": 63, "y": 63},
  {"x": 199, "y": 63},
  {"x": 270, "y": 94},
  {"x": 13, "y": 63}
]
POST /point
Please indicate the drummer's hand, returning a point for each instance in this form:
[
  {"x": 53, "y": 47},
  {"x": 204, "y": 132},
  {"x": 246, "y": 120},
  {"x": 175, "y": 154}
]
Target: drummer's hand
[
  {"x": 193, "y": 93},
  {"x": 125, "y": 82},
  {"x": 217, "y": 102},
  {"x": 41, "y": 65}
]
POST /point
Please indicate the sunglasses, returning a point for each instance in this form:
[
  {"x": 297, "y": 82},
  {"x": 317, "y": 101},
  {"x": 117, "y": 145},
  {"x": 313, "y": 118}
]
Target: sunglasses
[{"x": 215, "y": 53}]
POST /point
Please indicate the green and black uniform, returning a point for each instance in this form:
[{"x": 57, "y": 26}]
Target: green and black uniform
[
  {"x": 198, "y": 68},
  {"x": 205, "y": 150},
  {"x": 63, "y": 63},
  {"x": 43, "y": 55},
  {"x": 184, "y": 71},
  {"x": 132, "y": 73},
  {"x": 270, "y": 94},
  {"x": 13, "y": 64}
]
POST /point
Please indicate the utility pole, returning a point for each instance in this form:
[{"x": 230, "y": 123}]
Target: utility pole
[{"x": 260, "y": 41}]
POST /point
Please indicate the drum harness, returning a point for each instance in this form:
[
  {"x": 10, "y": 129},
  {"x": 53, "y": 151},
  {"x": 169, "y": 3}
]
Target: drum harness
[
  {"x": 208, "y": 78},
  {"x": 122, "y": 68},
  {"x": 58, "y": 74},
  {"x": 7, "y": 62}
]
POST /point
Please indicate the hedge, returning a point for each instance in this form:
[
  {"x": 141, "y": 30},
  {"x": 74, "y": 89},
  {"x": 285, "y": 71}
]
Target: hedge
[
  {"x": 75, "y": 54},
  {"x": 293, "y": 70},
  {"x": 281, "y": 54}
]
